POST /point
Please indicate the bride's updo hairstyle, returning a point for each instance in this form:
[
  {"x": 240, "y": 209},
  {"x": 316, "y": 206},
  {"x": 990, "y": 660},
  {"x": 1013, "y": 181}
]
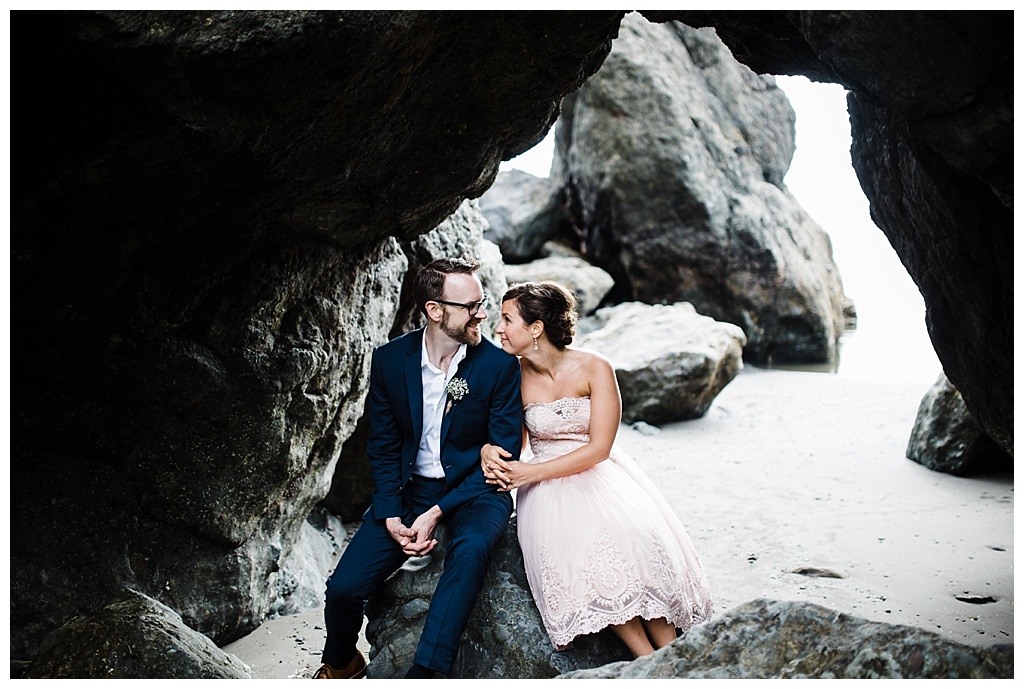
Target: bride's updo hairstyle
[{"x": 551, "y": 304}]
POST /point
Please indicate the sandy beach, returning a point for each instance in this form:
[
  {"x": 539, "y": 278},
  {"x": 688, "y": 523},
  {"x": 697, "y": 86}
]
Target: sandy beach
[{"x": 791, "y": 472}]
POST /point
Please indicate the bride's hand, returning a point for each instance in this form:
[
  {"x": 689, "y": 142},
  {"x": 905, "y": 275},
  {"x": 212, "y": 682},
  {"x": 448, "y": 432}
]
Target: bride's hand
[
  {"x": 493, "y": 464},
  {"x": 517, "y": 475}
]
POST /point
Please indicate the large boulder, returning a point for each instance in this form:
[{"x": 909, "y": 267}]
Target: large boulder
[
  {"x": 187, "y": 455},
  {"x": 505, "y": 637},
  {"x": 670, "y": 361},
  {"x": 766, "y": 639},
  {"x": 587, "y": 282},
  {"x": 133, "y": 637},
  {"x": 523, "y": 212},
  {"x": 674, "y": 156},
  {"x": 945, "y": 438}
]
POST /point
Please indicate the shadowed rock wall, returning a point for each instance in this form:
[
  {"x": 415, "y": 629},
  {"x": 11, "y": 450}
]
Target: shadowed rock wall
[{"x": 204, "y": 252}]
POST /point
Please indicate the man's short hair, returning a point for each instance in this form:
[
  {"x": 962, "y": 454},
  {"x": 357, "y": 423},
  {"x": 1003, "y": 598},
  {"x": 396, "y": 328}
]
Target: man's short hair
[{"x": 429, "y": 284}]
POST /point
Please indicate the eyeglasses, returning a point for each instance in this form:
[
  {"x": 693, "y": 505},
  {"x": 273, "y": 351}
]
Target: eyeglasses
[{"x": 472, "y": 307}]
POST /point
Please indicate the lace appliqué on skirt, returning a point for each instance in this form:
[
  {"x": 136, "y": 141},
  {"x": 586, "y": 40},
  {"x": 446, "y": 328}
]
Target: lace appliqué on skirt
[{"x": 615, "y": 592}]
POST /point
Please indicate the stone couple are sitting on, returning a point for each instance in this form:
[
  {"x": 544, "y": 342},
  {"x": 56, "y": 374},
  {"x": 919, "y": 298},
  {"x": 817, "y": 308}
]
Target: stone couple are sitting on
[{"x": 602, "y": 547}]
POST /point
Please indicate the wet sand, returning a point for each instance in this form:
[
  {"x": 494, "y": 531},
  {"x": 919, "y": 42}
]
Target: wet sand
[{"x": 792, "y": 472}]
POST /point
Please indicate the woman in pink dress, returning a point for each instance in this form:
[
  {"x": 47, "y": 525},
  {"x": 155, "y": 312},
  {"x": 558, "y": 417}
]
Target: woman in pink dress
[{"x": 601, "y": 545}]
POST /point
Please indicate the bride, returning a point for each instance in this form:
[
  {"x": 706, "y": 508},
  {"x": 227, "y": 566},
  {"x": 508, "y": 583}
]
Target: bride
[{"x": 601, "y": 545}]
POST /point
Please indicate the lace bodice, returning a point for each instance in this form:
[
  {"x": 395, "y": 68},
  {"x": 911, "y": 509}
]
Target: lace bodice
[{"x": 558, "y": 427}]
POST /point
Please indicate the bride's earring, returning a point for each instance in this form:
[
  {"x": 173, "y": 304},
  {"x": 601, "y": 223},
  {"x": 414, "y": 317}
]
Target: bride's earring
[{"x": 535, "y": 343}]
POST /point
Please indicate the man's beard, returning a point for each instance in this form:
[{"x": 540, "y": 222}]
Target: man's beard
[{"x": 461, "y": 335}]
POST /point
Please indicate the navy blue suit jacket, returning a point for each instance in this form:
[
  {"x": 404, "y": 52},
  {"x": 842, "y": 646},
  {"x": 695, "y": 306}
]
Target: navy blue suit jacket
[{"x": 491, "y": 412}]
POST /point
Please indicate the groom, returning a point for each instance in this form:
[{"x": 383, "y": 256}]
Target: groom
[{"x": 436, "y": 396}]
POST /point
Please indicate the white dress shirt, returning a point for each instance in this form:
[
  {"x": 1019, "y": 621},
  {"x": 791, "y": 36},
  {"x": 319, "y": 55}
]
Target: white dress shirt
[{"x": 428, "y": 458}]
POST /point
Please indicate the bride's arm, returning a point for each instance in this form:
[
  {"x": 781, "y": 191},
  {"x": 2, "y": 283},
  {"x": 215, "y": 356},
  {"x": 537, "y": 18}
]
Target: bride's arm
[{"x": 605, "y": 414}]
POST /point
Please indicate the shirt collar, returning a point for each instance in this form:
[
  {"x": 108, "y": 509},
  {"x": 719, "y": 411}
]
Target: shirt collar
[{"x": 460, "y": 354}]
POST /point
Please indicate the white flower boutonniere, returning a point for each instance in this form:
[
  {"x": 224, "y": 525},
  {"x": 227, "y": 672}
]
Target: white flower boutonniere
[{"x": 457, "y": 388}]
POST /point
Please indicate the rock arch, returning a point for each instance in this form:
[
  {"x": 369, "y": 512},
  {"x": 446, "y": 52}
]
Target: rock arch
[{"x": 205, "y": 207}]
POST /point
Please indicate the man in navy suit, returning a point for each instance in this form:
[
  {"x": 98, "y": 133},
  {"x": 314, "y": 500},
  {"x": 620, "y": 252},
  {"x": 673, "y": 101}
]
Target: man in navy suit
[{"x": 436, "y": 396}]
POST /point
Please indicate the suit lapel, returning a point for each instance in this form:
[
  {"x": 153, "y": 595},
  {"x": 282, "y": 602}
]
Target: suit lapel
[
  {"x": 414, "y": 382},
  {"x": 465, "y": 366}
]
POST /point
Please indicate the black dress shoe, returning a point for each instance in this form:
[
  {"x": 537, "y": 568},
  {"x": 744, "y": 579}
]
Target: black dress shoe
[{"x": 420, "y": 672}]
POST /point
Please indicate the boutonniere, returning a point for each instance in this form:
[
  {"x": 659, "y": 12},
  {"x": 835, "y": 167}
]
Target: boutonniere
[{"x": 457, "y": 388}]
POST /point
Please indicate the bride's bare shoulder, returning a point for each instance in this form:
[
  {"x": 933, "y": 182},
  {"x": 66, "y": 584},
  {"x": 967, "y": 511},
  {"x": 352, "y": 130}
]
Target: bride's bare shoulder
[{"x": 589, "y": 359}]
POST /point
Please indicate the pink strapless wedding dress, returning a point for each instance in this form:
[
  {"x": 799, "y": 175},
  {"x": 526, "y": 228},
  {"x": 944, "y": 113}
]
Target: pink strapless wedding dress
[{"x": 602, "y": 546}]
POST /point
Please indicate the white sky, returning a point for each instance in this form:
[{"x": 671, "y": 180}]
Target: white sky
[{"x": 891, "y": 340}]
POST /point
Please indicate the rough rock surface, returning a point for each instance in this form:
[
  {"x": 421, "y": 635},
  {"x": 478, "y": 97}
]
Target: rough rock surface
[
  {"x": 205, "y": 249},
  {"x": 523, "y": 212},
  {"x": 352, "y": 483},
  {"x": 766, "y": 639},
  {"x": 187, "y": 457},
  {"x": 760, "y": 639},
  {"x": 588, "y": 283},
  {"x": 674, "y": 156},
  {"x": 945, "y": 437},
  {"x": 303, "y": 573},
  {"x": 970, "y": 322},
  {"x": 505, "y": 637},
  {"x": 676, "y": 368},
  {"x": 134, "y": 637}
]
